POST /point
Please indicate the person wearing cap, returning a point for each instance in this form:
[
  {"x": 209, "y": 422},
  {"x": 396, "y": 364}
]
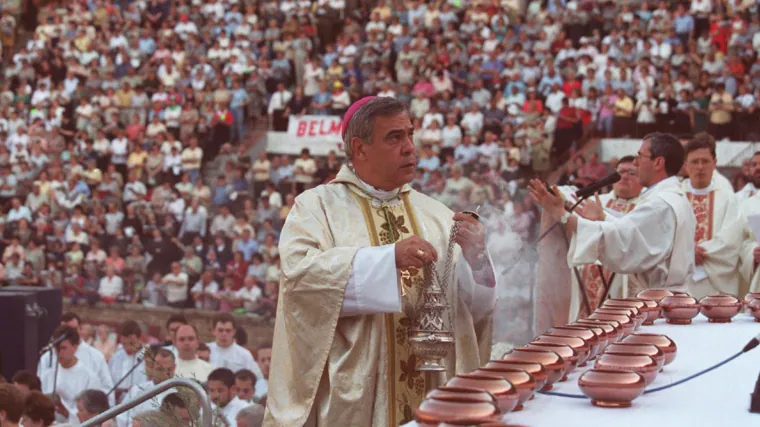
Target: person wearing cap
[{"x": 354, "y": 256}]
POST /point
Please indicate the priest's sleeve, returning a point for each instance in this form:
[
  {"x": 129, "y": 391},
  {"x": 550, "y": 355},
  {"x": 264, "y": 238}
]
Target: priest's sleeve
[{"x": 634, "y": 243}]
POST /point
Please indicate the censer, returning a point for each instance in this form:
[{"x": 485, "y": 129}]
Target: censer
[{"x": 431, "y": 338}]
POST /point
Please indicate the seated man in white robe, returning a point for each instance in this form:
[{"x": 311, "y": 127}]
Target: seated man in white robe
[
  {"x": 750, "y": 252},
  {"x": 720, "y": 225},
  {"x": 225, "y": 352},
  {"x": 159, "y": 366},
  {"x": 221, "y": 391},
  {"x": 189, "y": 365},
  {"x": 88, "y": 355},
  {"x": 356, "y": 255},
  {"x": 264, "y": 359},
  {"x": 654, "y": 241},
  {"x": 172, "y": 324},
  {"x": 598, "y": 281},
  {"x": 129, "y": 354},
  {"x": 71, "y": 377}
]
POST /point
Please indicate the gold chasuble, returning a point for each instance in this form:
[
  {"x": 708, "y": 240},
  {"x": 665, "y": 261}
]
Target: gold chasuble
[
  {"x": 330, "y": 369},
  {"x": 387, "y": 224}
]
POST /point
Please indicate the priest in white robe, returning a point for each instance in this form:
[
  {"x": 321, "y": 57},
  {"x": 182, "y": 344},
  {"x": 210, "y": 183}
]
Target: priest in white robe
[
  {"x": 750, "y": 252},
  {"x": 719, "y": 224},
  {"x": 128, "y": 357},
  {"x": 70, "y": 378},
  {"x": 225, "y": 352},
  {"x": 597, "y": 280},
  {"x": 88, "y": 355},
  {"x": 160, "y": 366},
  {"x": 356, "y": 254},
  {"x": 654, "y": 242}
]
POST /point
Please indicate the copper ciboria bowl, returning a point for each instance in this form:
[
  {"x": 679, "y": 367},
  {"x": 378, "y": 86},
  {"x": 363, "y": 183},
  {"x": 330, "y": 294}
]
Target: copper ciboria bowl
[
  {"x": 587, "y": 334},
  {"x": 646, "y": 307},
  {"x": 536, "y": 370},
  {"x": 434, "y": 411},
  {"x": 611, "y": 388},
  {"x": 754, "y": 309},
  {"x": 663, "y": 342},
  {"x": 521, "y": 380},
  {"x": 751, "y": 296},
  {"x": 632, "y": 312},
  {"x": 554, "y": 364},
  {"x": 503, "y": 390},
  {"x": 578, "y": 344},
  {"x": 644, "y": 365},
  {"x": 652, "y": 310},
  {"x": 605, "y": 336},
  {"x": 626, "y": 323},
  {"x": 612, "y": 327},
  {"x": 566, "y": 352},
  {"x": 650, "y": 350},
  {"x": 720, "y": 308},
  {"x": 654, "y": 295},
  {"x": 679, "y": 309}
]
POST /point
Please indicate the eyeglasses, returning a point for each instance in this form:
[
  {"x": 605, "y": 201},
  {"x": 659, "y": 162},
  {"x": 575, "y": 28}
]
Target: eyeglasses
[
  {"x": 629, "y": 172},
  {"x": 640, "y": 155}
]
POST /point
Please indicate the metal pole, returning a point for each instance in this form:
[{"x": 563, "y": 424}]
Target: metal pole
[{"x": 206, "y": 415}]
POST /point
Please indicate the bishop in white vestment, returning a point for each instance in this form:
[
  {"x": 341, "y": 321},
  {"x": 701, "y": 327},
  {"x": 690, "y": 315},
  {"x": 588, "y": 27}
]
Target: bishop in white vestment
[
  {"x": 356, "y": 254},
  {"x": 654, "y": 241},
  {"x": 596, "y": 279},
  {"x": 720, "y": 225}
]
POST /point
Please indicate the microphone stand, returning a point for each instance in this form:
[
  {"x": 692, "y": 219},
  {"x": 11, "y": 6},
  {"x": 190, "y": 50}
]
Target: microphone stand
[{"x": 138, "y": 360}]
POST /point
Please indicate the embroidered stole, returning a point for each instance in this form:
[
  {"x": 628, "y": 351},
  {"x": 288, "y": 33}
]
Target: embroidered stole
[
  {"x": 703, "y": 206},
  {"x": 387, "y": 224},
  {"x": 594, "y": 275}
]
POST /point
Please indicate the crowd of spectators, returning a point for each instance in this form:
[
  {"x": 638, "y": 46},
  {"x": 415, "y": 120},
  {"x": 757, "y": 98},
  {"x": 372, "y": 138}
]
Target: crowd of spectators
[{"x": 126, "y": 173}]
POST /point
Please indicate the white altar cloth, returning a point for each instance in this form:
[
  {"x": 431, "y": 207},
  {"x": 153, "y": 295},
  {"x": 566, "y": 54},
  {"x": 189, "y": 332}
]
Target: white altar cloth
[{"x": 718, "y": 398}]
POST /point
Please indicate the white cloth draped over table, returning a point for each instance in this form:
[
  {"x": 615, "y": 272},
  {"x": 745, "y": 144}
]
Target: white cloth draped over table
[
  {"x": 654, "y": 243},
  {"x": 719, "y": 230},
  {"x": 590, "y": 274},
  {"x": 749, "y": 274}
]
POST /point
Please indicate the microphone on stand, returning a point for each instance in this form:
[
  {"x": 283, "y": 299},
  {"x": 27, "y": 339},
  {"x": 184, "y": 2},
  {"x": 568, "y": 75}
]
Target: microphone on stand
[
  {"x": 589, "y": 190},
  {"x": 138, "y": 360},
  {"x": 51, "y": 345}
]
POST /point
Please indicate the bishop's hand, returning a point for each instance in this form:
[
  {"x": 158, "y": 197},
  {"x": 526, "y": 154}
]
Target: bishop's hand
[{"x": 415, "y": 252}]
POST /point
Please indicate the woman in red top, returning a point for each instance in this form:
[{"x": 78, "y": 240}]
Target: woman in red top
[
  {"x": 533, "y": 105},
  {"x": 237, "y": 269},
  {"x": 571, "y": 83}
]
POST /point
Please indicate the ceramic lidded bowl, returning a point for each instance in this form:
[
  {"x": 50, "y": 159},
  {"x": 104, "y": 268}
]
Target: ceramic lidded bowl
[
  {"x": 663, "y": 342},
  {"x": 566, "y": 352},
  {"x": 524, "y": 382},
  {"x": 578, "y": 344},
  {"x": 613, "y": 328},
  {"x": 644, "y": 365},
  {"x": 587, "y": 334},
  {"x": 434, "y": 411},
  {"x": 751, "y": 296},
  {"x": 679, "y": 309},
  {"x": 503, "y": 390},
  {"x": 554, "y": 364},
  {"x": 720, "y": 308},
  {"x": 650, "y": 350},
  {"x": 611, "y": 388},
  {"x": 632, "y": 312},
  {"x": 626, "y": 323}
]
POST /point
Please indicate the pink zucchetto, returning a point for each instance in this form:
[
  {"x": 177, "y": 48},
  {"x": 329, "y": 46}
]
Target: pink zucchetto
[{"x": 350, "y": 113}]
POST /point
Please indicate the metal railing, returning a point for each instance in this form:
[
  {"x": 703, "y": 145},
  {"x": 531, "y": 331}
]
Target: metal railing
[{"x": 206, "y": 415}]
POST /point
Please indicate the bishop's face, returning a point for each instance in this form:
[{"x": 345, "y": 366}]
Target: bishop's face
[{"x": 390, "y": 160}]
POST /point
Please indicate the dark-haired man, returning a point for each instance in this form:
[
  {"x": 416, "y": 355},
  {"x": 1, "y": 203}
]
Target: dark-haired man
[
  {"x": 11, "y": 405},
  {"x": 221, "y": 390},
  {"x": 27, "y": 382},
  {"x": 720, "y": 225},
  {"x": 596, "y": 279},
  {"x": 245, "y": 385},
  {"x": 225, "y": 352},
  {"x": 71, "y": 377},
  {"x": 128, "y": 354},
  {"x": 88, "y": 355},
  {"x": 654, "y": 242}
]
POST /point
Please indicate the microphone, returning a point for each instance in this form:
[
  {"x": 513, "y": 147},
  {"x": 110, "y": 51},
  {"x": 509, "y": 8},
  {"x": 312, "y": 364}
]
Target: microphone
[
  {"x": 754, "y": 342},
  {"x": 589, "y": 190},
  {"x": 53, "y": 343}
]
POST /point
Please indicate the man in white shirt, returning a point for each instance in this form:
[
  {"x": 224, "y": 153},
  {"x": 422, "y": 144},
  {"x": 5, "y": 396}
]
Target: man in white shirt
[
  {"x": 222, "y": 392},
  {"x": 111, "y": 286},
  {"x": 188, "y": 363},
  {"x": 159, "y": 366},
  {"x": 249, "y": 294},
  {"x": 88, "y": 355},
  {"x": 129, "y": 354},
  {"x": 720, "y": 225},
  {"x": 70, "y": 377},
  {"x": 264, "y": 359},
  {"x": 225, "y": 352},
  {"x": 655, "y": 241},
  {"x": 176, "y": 286}
]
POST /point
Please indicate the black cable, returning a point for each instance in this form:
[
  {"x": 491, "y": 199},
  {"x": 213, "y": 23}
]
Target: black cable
[{"x": 665, "y": 387}]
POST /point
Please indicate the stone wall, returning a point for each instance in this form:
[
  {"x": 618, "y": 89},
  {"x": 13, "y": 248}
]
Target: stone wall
[{"x": 259, "y": 331}]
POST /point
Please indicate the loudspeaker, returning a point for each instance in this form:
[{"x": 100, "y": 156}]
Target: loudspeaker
[
  {"x": 50, "y": 302},
  {"x": 18, "y": 339}
]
